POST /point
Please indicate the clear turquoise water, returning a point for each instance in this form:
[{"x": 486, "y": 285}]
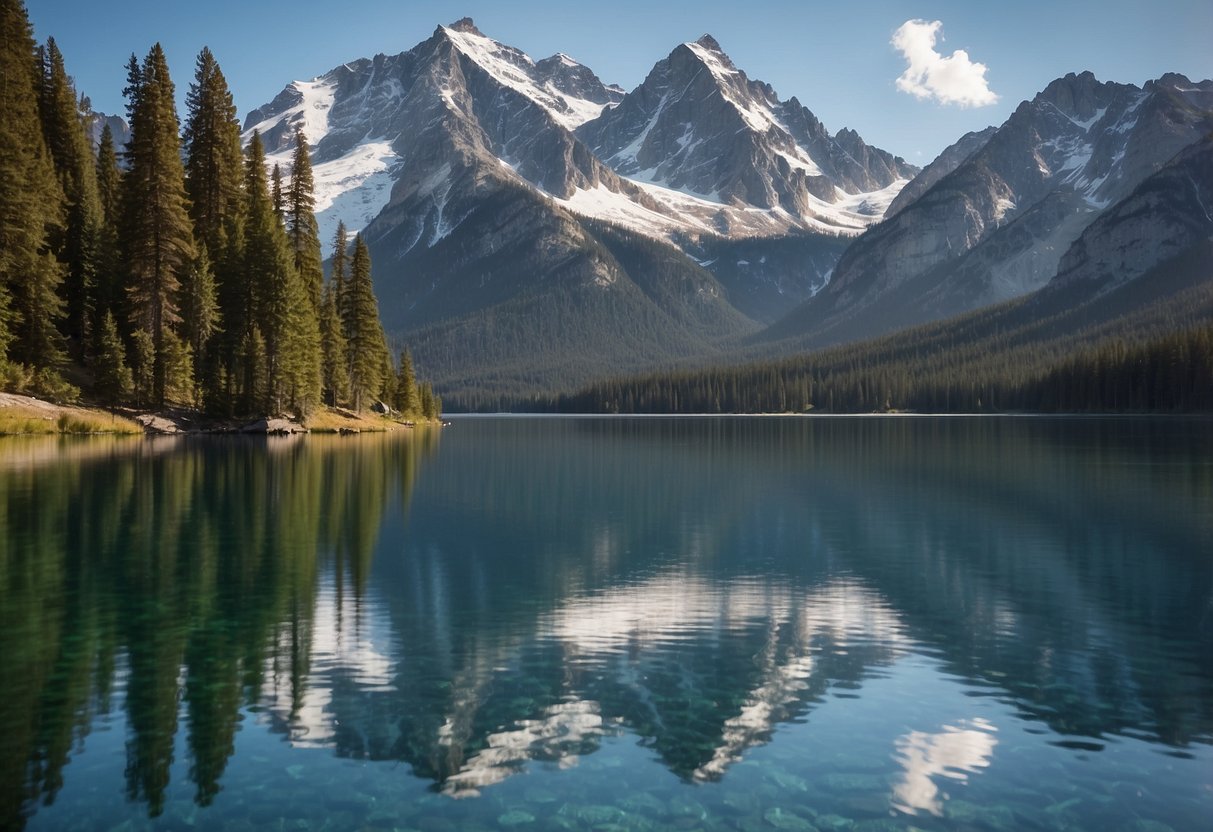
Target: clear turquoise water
[{"x": 604, "y": 624}]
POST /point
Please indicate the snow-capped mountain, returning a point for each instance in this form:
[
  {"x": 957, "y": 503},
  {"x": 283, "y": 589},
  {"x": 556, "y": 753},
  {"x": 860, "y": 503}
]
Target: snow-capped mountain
[
  {"x": 463, "y": 162},
  {"x": 697, "y": 125},
  {"x": 365, "y": 119},
  {"x": 770, "y": 155},
  {"x": 997, "y": 224}
]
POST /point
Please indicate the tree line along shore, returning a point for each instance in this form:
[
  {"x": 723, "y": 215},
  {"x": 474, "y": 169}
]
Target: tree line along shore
[{"x": 176, "y": 274}]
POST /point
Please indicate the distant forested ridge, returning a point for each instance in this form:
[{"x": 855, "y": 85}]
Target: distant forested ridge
[
  {"x": 175, "y": 271},
  {"x": 1124, "y": 351}
]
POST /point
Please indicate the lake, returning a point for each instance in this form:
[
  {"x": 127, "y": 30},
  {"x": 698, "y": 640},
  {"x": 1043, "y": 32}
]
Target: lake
[{"x": 606, "y": 623}]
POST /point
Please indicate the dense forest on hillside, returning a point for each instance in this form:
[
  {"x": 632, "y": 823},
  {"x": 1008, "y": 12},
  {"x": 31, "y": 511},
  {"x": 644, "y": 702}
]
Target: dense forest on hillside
[
  {"x": 175, "y": 271},
  {"x": 1145, "y": 347},
  {"x": 538, "y": 338}
]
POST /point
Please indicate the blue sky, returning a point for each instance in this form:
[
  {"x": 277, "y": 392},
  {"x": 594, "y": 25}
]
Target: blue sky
[{"x": 836, "y": 57}]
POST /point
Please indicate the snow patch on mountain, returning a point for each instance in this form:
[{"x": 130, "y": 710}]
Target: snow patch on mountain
[
  {"x": 354, "y": 188},
  {"x": 516, "y": 70},
  {"x": 311, "y": 113},
  {"x": 682, "y": 212}
]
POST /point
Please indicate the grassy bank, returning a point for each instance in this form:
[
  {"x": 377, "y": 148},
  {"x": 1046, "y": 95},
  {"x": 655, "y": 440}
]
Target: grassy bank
[{"x": 25, "y": 415}]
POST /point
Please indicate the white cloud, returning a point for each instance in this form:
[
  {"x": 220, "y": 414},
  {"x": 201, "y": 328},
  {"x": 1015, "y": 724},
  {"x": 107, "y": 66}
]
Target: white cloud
[{"x": 949, "y": 80}]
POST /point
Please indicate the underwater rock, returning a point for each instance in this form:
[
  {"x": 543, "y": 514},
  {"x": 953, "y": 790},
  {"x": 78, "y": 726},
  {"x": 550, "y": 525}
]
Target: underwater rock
[
  {"x": 643, "y": 803},
  {"x": 593, "y": 814},
  {"x": 782, "y": 819},
  {"x": 685, "y": 807},
  {"x": 536, "y": 794},
  {"x": 740, "y": 802},
  {"x": 994, "y": 817},
  {"x": 789, "y": 782}
]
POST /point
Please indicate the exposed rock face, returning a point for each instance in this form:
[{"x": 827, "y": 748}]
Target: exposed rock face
[
  {"x": 996, "y": 226},
  {"x": 949, "y": 160},
  {"x": 1164, "y": 216},
  {"x": 119, "y": 129}
]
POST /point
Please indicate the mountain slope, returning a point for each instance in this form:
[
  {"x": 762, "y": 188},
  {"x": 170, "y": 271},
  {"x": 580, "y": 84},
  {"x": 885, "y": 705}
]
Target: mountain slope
[
  {"x": 949, "y": 160},
  {"x": 1165, "y": 216},
  {"x": 997, "y": 225},
  {"x": 460, "y": 163}
]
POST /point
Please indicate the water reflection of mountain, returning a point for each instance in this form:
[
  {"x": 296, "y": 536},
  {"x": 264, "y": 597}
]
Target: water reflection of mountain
[
  {"x": 767, "y": 562},
  {"x": 695, "y": 584}
]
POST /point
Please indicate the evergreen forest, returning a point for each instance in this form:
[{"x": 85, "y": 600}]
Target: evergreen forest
[
  {"x": 1147, "y": 347},
  {"x": 174, "y": 271}
]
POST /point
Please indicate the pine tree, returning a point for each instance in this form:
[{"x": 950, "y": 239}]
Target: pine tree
[
  {"x": 276, "y": 190},
  {"x": 408, "y": 398},
  {"x": 213, "y": 154},
  {"x": 284, "y": 313},
  {"x": 157, "y": 235},
  {"x": 143, "y": 366},
  {"x": 333, "y": 346},
  {"x": 429, "y": 410},
  {"x": 340, "y": 277},
  {"x": 267, "y": 266},
  {"x": 31, "y": 205},
  {"x": 301, "y": 224},
  {"x": 113, "y": 378},
  {"x": 302, "y": 360},
  {"x": 63, "y": 128},
  {"x": 387, "y": 375},
  {"x": 200, "y": 314},
  {"x": 106, "y": 283},
  {"x": 255, "y": 382},
  {"x": 365, "y": 335},
  {"x": 214, "y": 182},
  {"x": 179, "y": 385},
  {"x": 133, "y": 90}
]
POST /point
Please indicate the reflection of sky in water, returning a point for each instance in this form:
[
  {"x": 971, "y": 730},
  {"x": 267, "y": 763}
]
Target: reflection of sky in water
[
  {"x": 954, "y": 753},
  {"x": 350, "y": 640}
]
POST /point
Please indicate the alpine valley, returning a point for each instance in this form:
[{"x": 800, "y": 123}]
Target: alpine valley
[{"x": 535, "y": 229}]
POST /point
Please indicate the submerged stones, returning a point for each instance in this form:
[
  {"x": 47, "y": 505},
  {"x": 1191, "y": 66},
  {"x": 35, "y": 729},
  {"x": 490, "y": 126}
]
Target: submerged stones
[
  {"x": 515, "y": 817},
  {"x": 782, "y": 819}
]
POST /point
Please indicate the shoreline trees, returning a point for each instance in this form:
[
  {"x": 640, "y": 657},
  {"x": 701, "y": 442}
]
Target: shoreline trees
[{"x": 188, "y": 275}]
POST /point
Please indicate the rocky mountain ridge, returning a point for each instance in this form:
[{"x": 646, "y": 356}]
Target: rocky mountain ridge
[{"x": 998, "y": 223}]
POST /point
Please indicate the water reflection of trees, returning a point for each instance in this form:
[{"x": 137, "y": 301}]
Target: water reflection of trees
[{"x": 183, "y": 570}]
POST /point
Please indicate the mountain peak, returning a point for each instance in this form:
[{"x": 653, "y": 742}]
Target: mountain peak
[
  {"x": 465, "y": 24},
  {"x": 709, "y": 42}
]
